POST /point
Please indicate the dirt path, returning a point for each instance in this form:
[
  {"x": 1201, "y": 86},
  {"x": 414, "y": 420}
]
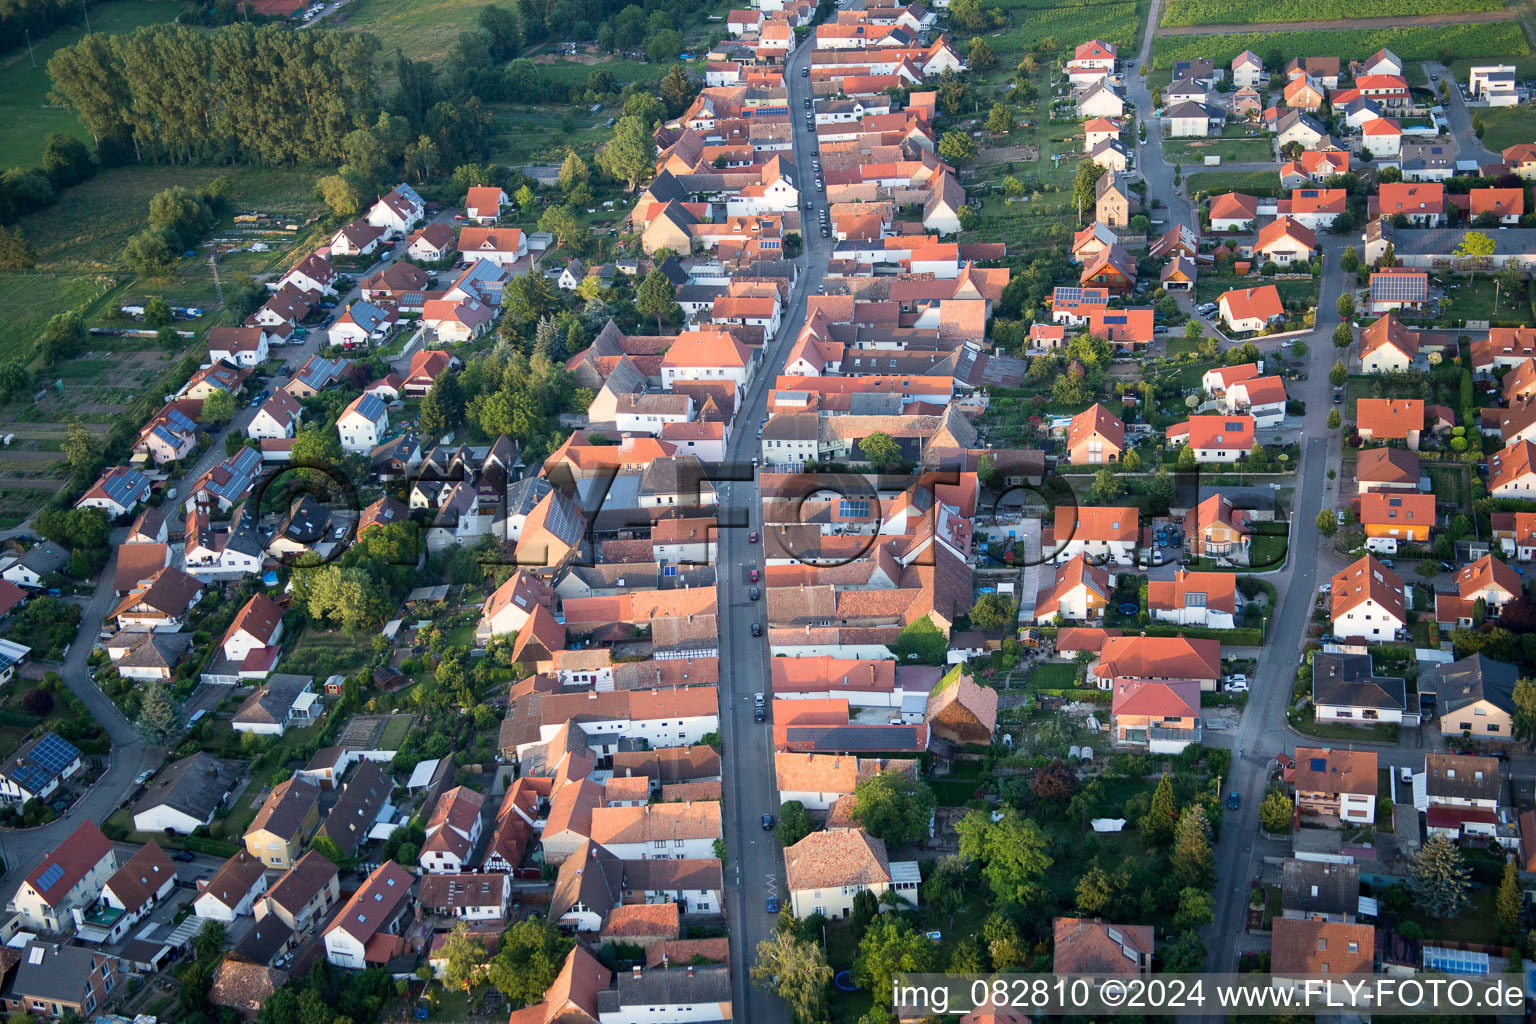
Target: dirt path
[{"x": 1467, "y": 17}]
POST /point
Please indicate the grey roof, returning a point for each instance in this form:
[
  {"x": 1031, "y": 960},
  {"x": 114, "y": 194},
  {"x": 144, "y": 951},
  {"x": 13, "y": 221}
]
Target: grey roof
[
  {"x": 1291, "y": 119},
  {"x": 1320, "y": 887},
  {"x": 676, "y": 986},
  {"x": 1470, "y": 680},
  {"x": 264, "y": 941},
  {"x": 852, "y": 737},
  {"x": 1444, "y": 241},
  {"x": 1464, "y": 777},
  {"x": 306, "y": 521},
  {"x": 45, "y": 558},
  {"x": 271, "y": 703},
  {"x": 794, "y": 426},
  {"x": 54, "y": 973},
  {"x": 1347, "y": 680},
  {"x": 362, "y": 796},
  {"x": 564, "y": 520},
  {"x": 1427, "y": 155},
  {"x": 195, "y": 785}
]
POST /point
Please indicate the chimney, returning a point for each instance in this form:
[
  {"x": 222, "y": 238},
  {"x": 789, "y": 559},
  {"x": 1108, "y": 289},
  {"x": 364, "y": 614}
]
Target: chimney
[
  {"x": 690, "y": 970},
  {"x": 636, "y": 974}
]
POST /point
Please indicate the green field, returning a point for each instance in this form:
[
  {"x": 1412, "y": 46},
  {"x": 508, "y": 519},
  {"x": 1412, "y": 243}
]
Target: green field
[
  {"x": 29, "y": 299},
  {"x": 1245, "y": 12},
  {"x": 1209, "y": 286},
  {"x": 1233, "y": 151},
  {"x": 541, "y": 135},
  {"x": 1411, "y": 44},
  {"x": 1253, "y": 183},
  {"x": 89, "y": 228},
  {"x": 1113, "y": 22},
  {"x": 420, "y": 31},
  {"x": 1507, "y": 126},
  {"x": 26, "y": 117}
]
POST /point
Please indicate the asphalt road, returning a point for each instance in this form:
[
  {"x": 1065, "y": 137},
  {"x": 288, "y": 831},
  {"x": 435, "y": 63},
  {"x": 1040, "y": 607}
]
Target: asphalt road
[{"x": 754, "y": 867}]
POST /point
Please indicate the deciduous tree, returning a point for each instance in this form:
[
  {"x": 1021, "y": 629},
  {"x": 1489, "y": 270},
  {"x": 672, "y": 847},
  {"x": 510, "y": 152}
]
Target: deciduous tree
[
  {"x": 795, "y": 970},
  {"x": 1012, "y": 852},
  {"x": 894, "y": 807}
]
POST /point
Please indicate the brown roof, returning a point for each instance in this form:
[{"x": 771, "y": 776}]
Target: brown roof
[
  {"x": 1321, "y": 770},
  {"x": 136, "y": 562},
  {"x": 285, "y": 808},
  {"x": 1086, "y": 946},
  {"x": 961, "y": 706},
  {"x": 1388, "y": 465},
  {"x": 835, "y": 858},
  {"x": 656, "y": 822},
  {"x": 670, "y": 764},
  {"x": 260, "y": 617},
  {"x": 643, "y": 920},
  {"x": 680, "y": 952},
  {"x": 298, "y": 885},
  {"x": 1322, "y": 947},
  {"x": 372, "y": 906},
  {"x": 75, "y": 857},
  {"x": 1219, "y": 588},
  {"x": 244, "y": 987},
  {"x": 831, "y": 773},
  {"x": 470, "y": 889},
  {"x": 1386, "y": 418},
  {"x": 1367, "y": 579},
  {"x": 170, "y": 592},
  {"x": 235, "y": 879},
  {"x": 139, "y": 879}
]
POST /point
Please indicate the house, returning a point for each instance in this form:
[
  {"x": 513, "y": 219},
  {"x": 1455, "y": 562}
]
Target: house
[
  {"x": 36, "y": 770},
  {"x": 1487, "y": 580},
  {"x": 483, "y": 204},
  {"x": 302, "y": 895},
  {"x": 136, "y": 563},
  {"x": 1074, "y": 306},
  {"x": 1515, "y": 533},
  {"x": 1233, "y": 211},
  {"x": 1215, "y": 528},
  {"x": 818, "y": 781},
  {"x": 358, "y": 238},
  {"x": 1474, "y": 697},
  {"x": 1262, "y": 398},
  {"x": 246, "y": 347},
  {"x": 258, "y": 624},
  {"x": 226, "y": 484},
  {"x": 1298, "y": 126},
  {"x": 71, "y": 875},
  {"x": 55, "y": 980},
  {"x": 1249, "y": 310},
  {"x": 1179, "y": 274},
  {"x": 281, "y": 701},
  {"x": 1521, "y": 160},
  {"x": 1390, "y": 419},
  {"x": 1084, "y": 946},
  {"x": 1335, "y": 784},
  {"x": 1095, "y": 436},
  {"x": 1157, "y": 659},
  {"x": 1214, "y": 439},
  {"x": 367, "y": 929},
  {"x": 703, "y": 355},
  {"x": 1097, "y": 130},
  {"x": 1386, "y": 346},
  {"x": 1382, "y": 138},
  {"x": 1312, "y": 208},
  {"x": 631, "y": 833},
  {"x": 1113, "y": 270},
  {"x": 1494, "y": 84},
  {"x": 453, "y": 831},
  {"x": 1078, "y": 592},
  {"x": 1345, "y": 688},
  {"x": 1512, "y": 471},
  {"x": 473, "y": 896},
  {"x": 277, "y": 417},
  {"x": 1387, "y": 469},
  {"x": 362, "y": 424},
  {"x": 363, "y": 796},
  {"x": 825, "y": 870},
  {"x": 1096, "y": 53},
  {"x": 1461, "y": 796},
  {"x": 118, "y": 492},
  {"x": 1248, "y": 70},
  {"x": 1426, "y": 161},
  {"x": 234, "y": 889},
  {"x": 1505, "y": 205},
  {"x": 35, "y": 565},
  {"x": 1207, "y": 599},
  {"x": 286, "y": 822},
  {"x": 1368, "y": 602},
  {"x": 1162, "y": 716},
  {"x": 1420, "y": 204},
  {"x": 363, "y": 324},
  {"x": 1284, "y": 241},
  {"x": 1191, "y": 119},
  {"x": 1393, "y": 518},
  {"x": 426, "y": 366},
  {"x": 961, "y": 711},
  {"x": 1104, "y": 534},
  {"x": 1102, "y": 99},
  {"x": 1114, "y": 202},
  {"x": 313, "y": 274},
  {"x": 398, "y": 211},
  {"x": 161, "y": 605},
  {"x": 432, "y": 243},
  {"x": 1304, "y": 93},
  {"x": 184, "y": 795},
  {"x": 1306, "y": 948},
  {"x": 457, "y": 321},
  {"x": 502, "y": 246}
]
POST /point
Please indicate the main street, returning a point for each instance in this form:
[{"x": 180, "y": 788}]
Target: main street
[{"x": 754, "y": 863}]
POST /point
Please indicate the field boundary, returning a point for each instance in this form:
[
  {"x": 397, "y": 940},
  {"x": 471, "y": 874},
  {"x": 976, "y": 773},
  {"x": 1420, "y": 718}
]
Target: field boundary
[{"x": 1342, "y": 25}]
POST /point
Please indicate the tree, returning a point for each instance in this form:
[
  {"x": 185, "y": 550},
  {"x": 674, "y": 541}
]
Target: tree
[
  {"x": 894, "y": 807},
  {"x": 664, "y": 45},
  {"x": 1475, "y": 245},
  {"x": 464, "y": 958},
  {"x": 1055, "y": 783},
  {"x": 1185, "y": 955},
  {"x": 1106, "y": 486},
  {"x": 656, "y": 297},
  {"x": 434, "y": 420},
  {"x": 865, "y": 909},
  {"x": 1191, "y": 858},
  {"x": 1524, "y": 699},
  {"x": 1338, "y": 374},
  {"x": 63, "y": 337},
  {"x": 1389, "y": 254},
  {"x": 148, "y": 253},
  {"x": 573, "y": 171},
  {"x": 1346, "y": 305},
  {"x": 921, "y": 643},
  {"x": 1326, "y": 525},
  {"x": 1300, "y": 349},
  {"x": 342, "y": 193},
  {"x": 1194, "y": 909},
  {"x": 209, "y": 941},
  {"x": 1477, "y": 125},
  {"x": 1161, "y": 819},
  {"x": 1162, "y": 488},
  {"x": 631, "y": 154},
  {"x": 157, "y": 312},
  {"x": 157, "y": 722},
  {"x": 957, "y": 148},
  {"x": 565, "y": 225},
  {"x": 219, "y": 407},
  {"x": 1334, "y": 419},
  {"x": 1004, "y": 947},
  {"x": 15, "y": 252},
  {"x": 890, "y": 947},
  {"x": 1438, "y": 879},
  {"x": 980, "y": 56},
  {"x": 880, "y": 449},
  {"x": 1187, "y": 458},
  {"x": 794, "y": 823},
  {"x": 1083, "y": 192},
  {"x": 1507, "y": 903},
  {"x": 531, "y": 956},
  {"x": 795, "y": 970},
  {"x": 1349, "y": 262},
  {"x": 80, "y": 446},
  {"x": 676, "y": 90},
  {"x": 1012, "y": 851},
  {"x": 994, "y": 613},
  {"x": 1000, "y": 121},
  {"x": 1094, "y": 892},
  {"x": 1342, "y": 336}
]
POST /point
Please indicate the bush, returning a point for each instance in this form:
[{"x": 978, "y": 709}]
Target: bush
[{"x": 37, "y": 702}]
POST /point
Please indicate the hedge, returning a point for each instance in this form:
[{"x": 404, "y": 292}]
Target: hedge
[
  {"x": 1241, "y": 636},
  {"x": 1091, "y": 696},
  {"x": 212, "y": 847}
]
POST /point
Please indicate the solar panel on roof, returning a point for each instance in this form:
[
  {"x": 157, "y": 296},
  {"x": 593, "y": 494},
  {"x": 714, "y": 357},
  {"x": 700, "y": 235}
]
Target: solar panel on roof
[
  {"x": 50, "y": 876},
  {"x": 124, "y": 486},
  {"x": 53, "y": 753},
  {"x": 1318, "y": 764}
]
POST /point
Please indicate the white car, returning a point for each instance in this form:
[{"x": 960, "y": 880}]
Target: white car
[
  {"x": 1325, "y": 588},
  {"x": 1237, "y": 680},
  {"x": 1236, "y": 687}
]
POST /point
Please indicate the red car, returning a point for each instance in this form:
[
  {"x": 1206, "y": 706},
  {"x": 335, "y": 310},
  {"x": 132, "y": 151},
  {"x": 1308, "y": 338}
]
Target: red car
[
  {"x": 752, "y": 576},
  {"x": 752, "y": 537}
]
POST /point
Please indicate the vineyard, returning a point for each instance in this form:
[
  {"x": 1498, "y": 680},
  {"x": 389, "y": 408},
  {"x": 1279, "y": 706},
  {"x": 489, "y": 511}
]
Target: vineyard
[
  {"x": 1032, "y": 21},
  {"x": 1444, "y": 42},
  {"x": 1242, "y": 12}
]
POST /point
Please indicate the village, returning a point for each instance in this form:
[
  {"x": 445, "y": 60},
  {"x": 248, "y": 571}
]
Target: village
[{"x": 789, "y": 581}]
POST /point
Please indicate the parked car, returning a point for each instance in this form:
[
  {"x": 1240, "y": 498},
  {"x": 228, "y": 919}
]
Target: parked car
[
  {"x": 752, "y": 537},
  {"x": 1386, "y": 563},
  {"x": 1237, "y": 687},
  {"x": 767, "y": 822},
  {"x": 183, "y": 856},
  {"x": 1338, "y": 517},
  {"x": 1405, "y": 774},
  {"x": 751, "y": 575},
  {"x": 1232, "y": 801},
  {"x": 773, "y": 904},
  {"x": 1237, "y": 678},
  {"x": 757, "y": 629}
]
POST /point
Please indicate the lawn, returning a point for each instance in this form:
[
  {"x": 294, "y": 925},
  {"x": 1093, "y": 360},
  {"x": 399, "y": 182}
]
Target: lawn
[
  {"x": 1380, "y": 733},
  {"x": 1299, "y": 290},
  {"x": 1254, "y": 183},
  {"x": 420, "y": 31},
  {"x": 1449, "y": 483},
  {"x": 26, "y": 116},
  {"x": 1115, "y": 21},
  {"x": 541, "y": 135},
  {"x": 1506, "y": 126},
  {"x": 29, "y": 299},
  {"x": 1053, "y": 675},
  {"x": 1473, "y": 300},
  {"x": 1416, "y": 43},
  {"x": 1378, "y": 387},
  {"x": 1247, "y": 12},
  {"x": 1190, "y": 152}
]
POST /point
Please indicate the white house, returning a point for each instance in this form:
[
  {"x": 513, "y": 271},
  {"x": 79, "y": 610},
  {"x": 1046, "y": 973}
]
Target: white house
[
  {"x": 119, "y": 491},
  {"x": 1103, "y": 534},
  {"x": 35, "y": 771},
  {"x": 375, "y": 912},
  {"x": 245, "y": 347},
  {"x": 233, "y": 890},
  {"x": 363, "y": 324},
  {"x": 1494, "y": 84},
  {"x": 259, "y": 624},
  {"x": 1368, "y": 602},
  {"x": 1207, "y": 599},
  {"x": 130, "y": 894},
  {"x": 398, "y": 212},
  {"x": 362, "y": 424},
  {"x": 184, "y": 795},
  {"x": 499, "y": 245},
  {"x": 1382, "y": 138},
  {"x": 679, "y": 995},
  {"x": 71, "y": 875},
  {"x": 452, "y": 832},
  {"x": 279, "y": 702},
  {"x": 1263, "y": 398},
  {"x": 827, "y": 869},
  {"x": 277, "y": 417},
  {"x": 684, "y": 830}
]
